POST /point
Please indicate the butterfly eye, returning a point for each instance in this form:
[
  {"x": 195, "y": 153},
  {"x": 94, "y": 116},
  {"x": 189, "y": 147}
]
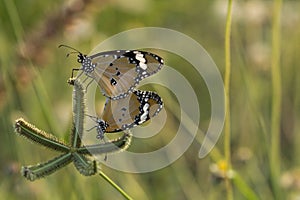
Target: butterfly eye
[{"x": 80, "y": 58}]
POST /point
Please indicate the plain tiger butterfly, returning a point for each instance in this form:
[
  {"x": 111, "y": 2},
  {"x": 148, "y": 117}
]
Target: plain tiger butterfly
[
  {"x": 118, "y": 72},
  {"x": 128, "y": 112}
]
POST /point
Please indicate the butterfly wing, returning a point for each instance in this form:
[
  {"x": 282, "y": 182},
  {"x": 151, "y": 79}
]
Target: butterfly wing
[
  {"x": 118, "y": 72},
  {"x": 133, "y": 110}
]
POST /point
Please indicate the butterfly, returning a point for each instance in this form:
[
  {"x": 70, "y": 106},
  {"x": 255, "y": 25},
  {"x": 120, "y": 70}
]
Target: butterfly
[
  {"x": 118, "y": 72},
  {"x": 128, "y": 112}
]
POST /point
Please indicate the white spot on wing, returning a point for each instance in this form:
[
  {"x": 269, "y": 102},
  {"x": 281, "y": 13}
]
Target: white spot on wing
[
  {"x": 145, "y": 113},
  {"x": 140, "y": 57},
  {"x": 143, "y": 66}
]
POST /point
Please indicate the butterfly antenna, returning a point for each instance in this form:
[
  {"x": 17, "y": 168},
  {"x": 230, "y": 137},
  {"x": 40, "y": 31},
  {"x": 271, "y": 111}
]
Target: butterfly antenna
[
  {"x": 69, "y": 47},
  {"x": 72, "y": 52},
  {"x": 92, "y": 117},
  {"x": 88, "y": 130}
]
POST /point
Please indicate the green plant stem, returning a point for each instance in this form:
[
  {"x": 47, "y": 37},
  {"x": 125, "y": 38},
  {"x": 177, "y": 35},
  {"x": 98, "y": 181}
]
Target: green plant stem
[
  {"x": 276, "y": 100},
  {"x": 125, "y": 195},
  {"x": 15, "y": 19},
  {"x": 227, "y": 97},
  {"x": 245, "y": 189}
]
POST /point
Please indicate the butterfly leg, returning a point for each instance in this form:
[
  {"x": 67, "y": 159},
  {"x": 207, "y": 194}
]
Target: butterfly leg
[
  {"x": 100, "y": 133},
  {"x": 100, "y": 136},
  {"x": 74, "y": 69}
]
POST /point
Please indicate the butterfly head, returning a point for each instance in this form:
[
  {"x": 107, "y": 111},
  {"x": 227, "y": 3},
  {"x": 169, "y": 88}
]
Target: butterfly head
[
  {"x": 83, "y": 59},
  {"x": 100, "y": 126},
  {"x": 81, "y": 56}
]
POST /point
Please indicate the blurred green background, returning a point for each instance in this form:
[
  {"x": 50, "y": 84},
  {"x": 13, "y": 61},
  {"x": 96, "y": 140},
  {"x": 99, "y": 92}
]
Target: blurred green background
[{"x": 33, "y": 75}]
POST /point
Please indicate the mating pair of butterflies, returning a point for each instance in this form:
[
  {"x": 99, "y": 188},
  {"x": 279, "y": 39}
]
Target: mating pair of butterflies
[{"x": 118, "y": 73}]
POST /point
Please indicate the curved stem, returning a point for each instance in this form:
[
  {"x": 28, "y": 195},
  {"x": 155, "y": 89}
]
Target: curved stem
[
  {"x": 124, "y": 194},
  {"x": 227, "y": 97}
]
